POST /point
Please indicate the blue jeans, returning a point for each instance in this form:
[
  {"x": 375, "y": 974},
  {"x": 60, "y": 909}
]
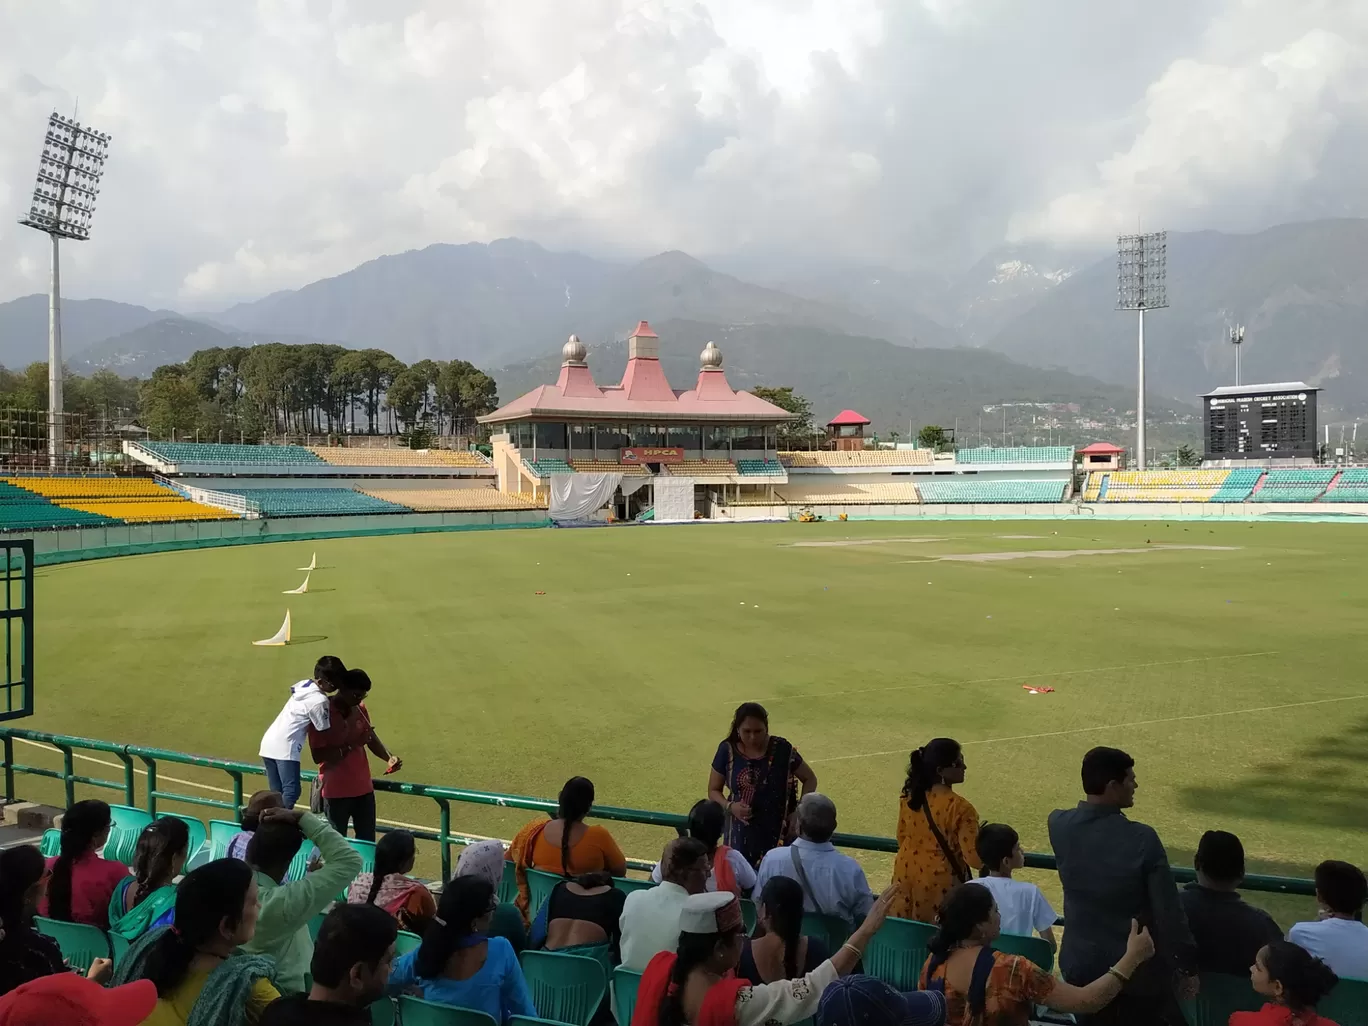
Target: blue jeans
[{"x": 283, "y": 775}]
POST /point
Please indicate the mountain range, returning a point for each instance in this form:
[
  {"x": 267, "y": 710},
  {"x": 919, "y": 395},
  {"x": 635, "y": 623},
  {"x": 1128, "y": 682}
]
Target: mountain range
[{"x": 1300, "y": 289}]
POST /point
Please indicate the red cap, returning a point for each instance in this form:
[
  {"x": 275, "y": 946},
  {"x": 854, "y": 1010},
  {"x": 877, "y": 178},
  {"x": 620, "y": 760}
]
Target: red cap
[{"x": 67, "y": 999}]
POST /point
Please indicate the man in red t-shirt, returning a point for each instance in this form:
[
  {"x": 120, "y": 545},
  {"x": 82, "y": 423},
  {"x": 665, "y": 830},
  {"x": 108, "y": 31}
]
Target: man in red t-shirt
[{"x": 340, "y": 753}]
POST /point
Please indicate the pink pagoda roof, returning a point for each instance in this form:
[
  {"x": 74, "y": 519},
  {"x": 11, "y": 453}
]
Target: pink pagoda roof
[
  {"x": 848, "y": 417},
  {"x": 1102, "y": 449},
  {"x": 643, "y": 391}
]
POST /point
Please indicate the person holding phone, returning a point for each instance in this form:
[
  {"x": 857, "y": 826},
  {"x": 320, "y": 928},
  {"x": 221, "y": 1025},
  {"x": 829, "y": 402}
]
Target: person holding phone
[{"x": 340, "y": 752}]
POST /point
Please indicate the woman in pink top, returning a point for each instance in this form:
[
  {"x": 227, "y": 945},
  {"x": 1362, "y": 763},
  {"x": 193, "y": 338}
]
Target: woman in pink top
[{"x": 82, "y": 882}]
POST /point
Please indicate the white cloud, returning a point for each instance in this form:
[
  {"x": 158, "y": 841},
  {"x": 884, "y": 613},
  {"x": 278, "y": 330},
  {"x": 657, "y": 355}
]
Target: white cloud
[{"x": 261, "y": 145}]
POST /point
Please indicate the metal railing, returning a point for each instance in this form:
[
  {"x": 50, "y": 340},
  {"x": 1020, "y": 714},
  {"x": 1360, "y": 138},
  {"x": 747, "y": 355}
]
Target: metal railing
[{"x": 442, "y": 796}]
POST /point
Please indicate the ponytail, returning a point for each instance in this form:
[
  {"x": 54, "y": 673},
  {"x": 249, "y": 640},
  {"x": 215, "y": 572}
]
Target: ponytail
[
  {"x": 154, "y": 863},
  {"x": 1305, "y": 978},
  {"x": 694, "y": 949},
  {"x": 81, "y": 824},
  {"x": 575, "y": 800},
  {"x": 965, "y": 908},
  {"x": 20, "y": 868},
  {"x": 706, "y": 822},
  {"x": 923, "y": 769},
  {"x": 465, "y": 899},
  {"x": 206, "y": 899},
  {"x": 394, "y": 851},
  {"x": 782, "y": 898}
]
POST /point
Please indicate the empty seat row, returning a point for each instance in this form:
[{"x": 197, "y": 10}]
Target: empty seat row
[
  {"x": 992, "y": 491},
  {"x": 303, "y": 502},
  {"x": 228, "y": 453},
  {"x": 361, "y": 456},
  {"x": 760, "y": 468},
  {"x": 1238, "y": 484},
  {"x": 546, "y": 466},
  {"x": 435, "y": 500},
  {"x": 1299, "y": 476},
  {"x": 859, "y": 458},
  {"x": 1017, "y": 454},
  {"x": 606, "y": 467},
  {"x": 874, "y": 493}
]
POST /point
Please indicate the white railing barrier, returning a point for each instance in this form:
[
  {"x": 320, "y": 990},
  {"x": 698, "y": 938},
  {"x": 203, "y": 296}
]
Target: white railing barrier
[{"x": 210, "y": 497}]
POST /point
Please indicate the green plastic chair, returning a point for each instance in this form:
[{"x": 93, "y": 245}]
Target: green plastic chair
[
  {"x": 1034, "y": 948},
  {"x": 625, "y": 984},
  {"x": 118, "y": 947},
  {"x": 748, "y": 915},
  {"x": 833, "y": 930},
  {"x": 540, "y": 884},
  {"x": 1347, "y": 1004},
  {"x": 566, "y": 988},
  {"x": 417, "y": 1012},
  {"x": 51, "y": 844},
  {"x": 382, "y": 1012},
  {"x": 1221, "y": 994},
  {"x": 366, "y": 849},
  {"x": 316, "y": 924},
  {"x": 81, "y": 944},
  {"x": 406, "y": 942},
  {"x": 897, "y": 952},
  {"x": 126, "y": 826},
  {"x": 221, "y": 832},
  {"x": 198, "y": 835},
  {"x": 508, "y": 884},
  {"x": 299, "y": 865},
  {"x": 529, "y": 1020},
  {"x": 627, "y": 885}
]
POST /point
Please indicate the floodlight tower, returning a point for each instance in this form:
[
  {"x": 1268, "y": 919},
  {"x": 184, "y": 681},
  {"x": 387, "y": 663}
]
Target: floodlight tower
[
  {"x": 1141, "y": 284},
  {"x": 1237, "y": 340},
  {"x": 69, "y": 173}
]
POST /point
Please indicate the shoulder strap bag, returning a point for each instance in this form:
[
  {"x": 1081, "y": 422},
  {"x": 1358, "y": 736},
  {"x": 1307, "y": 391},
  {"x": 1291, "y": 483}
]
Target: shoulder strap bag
[{"x": 957, "y": 866}]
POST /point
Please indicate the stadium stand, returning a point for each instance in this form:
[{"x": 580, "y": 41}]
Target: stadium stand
[
  {"x": 439, "y": 500},
  {"x": 1350, "y": 486},
  {"x": 1092, "y": 488},
  {"x": 1017, "y": 454},
  {"x": 1185, "y": 485},
  {"x": 546, "y": 466},
  {"x": 22, "y": 510},
  {"x": 704, "y": 468},
  {"x": 344, "y": 456},
  {"x": 827, "y": 493},
  {"x": 1238, "y": 485},
  {"x": 130, "y": 499},
  {"x": 946, "y": 490},
  {"x": 1295, "y": 485},
  {"x": 308, "y": 502},
  {"x": 760, "y": 468},
  {"x": 606, "y": 467},
  {"x": 859, "y": 458},
  {"x": 227, "y": 453}
]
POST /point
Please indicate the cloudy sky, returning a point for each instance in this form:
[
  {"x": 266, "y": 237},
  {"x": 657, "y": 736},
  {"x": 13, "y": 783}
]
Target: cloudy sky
[{"x": 261, "y": 145}]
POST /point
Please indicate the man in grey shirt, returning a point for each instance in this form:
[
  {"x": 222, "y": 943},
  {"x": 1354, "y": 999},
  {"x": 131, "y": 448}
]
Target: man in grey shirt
[{"x": 1114, "y": 870}]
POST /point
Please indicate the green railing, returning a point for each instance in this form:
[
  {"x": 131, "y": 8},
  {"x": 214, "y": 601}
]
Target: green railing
[{"x": 442, "y": 796}]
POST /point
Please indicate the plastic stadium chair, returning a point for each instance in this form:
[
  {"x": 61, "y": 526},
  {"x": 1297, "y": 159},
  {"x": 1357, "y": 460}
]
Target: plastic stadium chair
[
  {"x": 382, "y": 1012},
  {"x": 833, "y": 930},
  {"x": 80, "y": 944},
  {"x": 1034, "y": 948},
  {"x": 540, "y": 884},
  {"x": 1347, "y": 1004},
  {"x": 118, "y": 946},
  {"x": 897, "y": 952},
  {"x": 566, "y": 988},
  {"x": 528, "y": 1020},
  {"x": 198, "y": 835},
  {"x": 627, "y": 886},
  {"x": 51, "y": 845},
  {"x": 366, "y": 849},
  {"x": 625, "y": 984},
  {"x": 127, "y": 825},
  {"x": 508, "y": 884},
  {"x": 417, "y": 1012},
  {"x": 1219, "y": 996},
  {"x": 299, "y": 865},
  {"x": 316, "y": 924},
  {"x": 221, "y": 832},
  {"x": 748, "y": 915},
  {"x": 406, "y": 942}
]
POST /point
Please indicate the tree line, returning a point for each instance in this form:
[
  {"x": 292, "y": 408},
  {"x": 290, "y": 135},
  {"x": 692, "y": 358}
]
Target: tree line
[{"x": 254, "y": 392}]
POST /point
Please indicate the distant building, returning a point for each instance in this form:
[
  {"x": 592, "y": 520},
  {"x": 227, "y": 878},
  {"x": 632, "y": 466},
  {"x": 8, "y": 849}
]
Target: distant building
[
  {"x": 846, "y": 430},
  {"x": 1102, "y": 456},
  {"x": 1260, "y": 422}
]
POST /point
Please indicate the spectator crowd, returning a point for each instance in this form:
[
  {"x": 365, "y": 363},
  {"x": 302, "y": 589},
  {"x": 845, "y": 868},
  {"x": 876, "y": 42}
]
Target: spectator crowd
[{"x": 232, "y": 942}]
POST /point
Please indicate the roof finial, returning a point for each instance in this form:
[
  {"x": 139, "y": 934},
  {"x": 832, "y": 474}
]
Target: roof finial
[
  {"x": 711, "y": 357},
  {"x": 574, "y": 351}
]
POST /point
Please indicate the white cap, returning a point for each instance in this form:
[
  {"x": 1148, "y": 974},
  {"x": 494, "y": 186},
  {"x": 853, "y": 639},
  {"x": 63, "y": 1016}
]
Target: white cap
[{"x": 709, "y": 913}]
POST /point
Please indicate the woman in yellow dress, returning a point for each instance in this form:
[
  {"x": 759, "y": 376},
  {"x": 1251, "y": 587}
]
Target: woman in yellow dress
[{"x": 937, "y": 832}]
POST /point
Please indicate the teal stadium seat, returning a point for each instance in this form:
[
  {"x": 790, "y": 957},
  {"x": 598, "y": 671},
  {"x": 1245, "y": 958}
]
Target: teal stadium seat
[
  {"x": 833, "y": 931},
  {"x": 51, "y": 844},
  {"x": 1347, "y": 1004},
  {"x": 80, "y": 944},
  {"x": 383, "y": 1013},
  {"x": 1034, "y": 948},
  {"x": 508, "y": 884},
  {"x": 299, "y": 865},
  {"x": 263, "y": 456},
  {"x": 948, "y": 490},
  {"x": 22, "y": 510},
  {"x": 540, "y": 884},
  {"x": 1017, "y": 454},
  {"x": 313, "y": 502},
  {"x": 1302, "y": 484},
  {"x": 316, "y": 924},
  {"x": 406, "y": 942},
  {"x": 198, "y": 835},
  {"x": 627, "y": 885},
  {"x": 529, "y": 1020},
  {"x": 118, "y": 947},
  {"x": 417, "y": 1012},
  {"x": 366, "y": 849},
  {"x": 748, "y": 915},
  {"x": 898, "y": 951},
  {"x": 1218, "y": 996},
  {"x": 1238, "y": 484},
  {"x": 759, "y": 468},
  {"x": 566, "y": 988},
  {"x": 221, "y": 832},
  {"x": 545, "y": 466},
  {"x": 127, "y": 825},
  {"x": 625, "y": 984}
]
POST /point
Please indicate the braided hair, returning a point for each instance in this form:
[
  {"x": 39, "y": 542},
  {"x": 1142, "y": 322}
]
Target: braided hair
[
  {"x": 154, "y": 863},
  {"x": 575, "y": 800},
  {"x": 206, "y": 899},
  {"x": 82, "y": 824},
  {"x": 465, "y": 901},
  {"x": 393, "y": 853},
  {"x": 782, "y": 898},
  {"x": 924, "y": 766}
]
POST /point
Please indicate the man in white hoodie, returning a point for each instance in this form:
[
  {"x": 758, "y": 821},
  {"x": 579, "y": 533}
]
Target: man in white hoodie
[{"x": 284, "y": 738}]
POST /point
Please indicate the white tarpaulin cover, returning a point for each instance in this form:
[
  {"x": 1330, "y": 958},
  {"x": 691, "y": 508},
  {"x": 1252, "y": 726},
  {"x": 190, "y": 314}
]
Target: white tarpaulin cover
[
  {"x": 579, "y": 496},
  {"x": 674, "y": 498}
]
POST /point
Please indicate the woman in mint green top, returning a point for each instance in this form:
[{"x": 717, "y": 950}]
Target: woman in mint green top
[
  {"x": 459, "y": 964},
  {"x": 148, "y": 897}
]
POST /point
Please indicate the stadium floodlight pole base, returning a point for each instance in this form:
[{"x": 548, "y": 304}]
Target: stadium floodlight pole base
[
  {"x": 281, "y": 637},
  {"x": 313, "y": 564},
  {"x": 303, "y": 589}
]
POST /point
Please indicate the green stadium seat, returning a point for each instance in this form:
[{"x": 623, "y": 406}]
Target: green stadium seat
[
  {"x": 366, "y": 849},
  {"x": 406, "y": 942},
  {"x": 627, "y": 885},
  {"x": 508, "y": 884},
  {"x": 529, "y": 1020},
  {"x": 312, "y": 502},
  {"x": 382, "y": 1012},
  {"x": 1034, "y": 948},
  {"x": 417, "y": 1012},
  {"x": 625, "y": 984},
  {"x": 1347, "y": 1004},
  {"x": 263, "y": 456},
  {"x": 198, "y": 835},
  {"x": 51, "y": 844},
  {"x": 80, "y": 944},
  {"x": 1238, "y": 484},
  {"x": 316, "y": 924},
  {"x": 898, "y": 951},
  {"x": 1218, "y": 996},
  {"x": 833, "y": 930},
  {"x": 299, "y": 865},
  {"x": 118, "y": 947},
  {"x": 760, "y": 468},
  {"x": 566, "y": 988},
  {"x": 544, "y": 467},
  {"x": 540, "y": 884},
  {"x": 127, "y": 825},
  {"x": 951, "y": 490},
  {"x": 748, "y": 915},
  {"x": 1017, "y": 454}
]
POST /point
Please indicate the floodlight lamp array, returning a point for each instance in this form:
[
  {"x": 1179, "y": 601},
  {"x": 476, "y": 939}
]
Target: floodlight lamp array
[
  {"x": 68, "y": 182},
  {"x": 1142, "y": 271}
]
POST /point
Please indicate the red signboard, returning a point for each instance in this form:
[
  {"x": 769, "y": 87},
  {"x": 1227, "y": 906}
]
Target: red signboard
[{"x": 652, "y": 454}]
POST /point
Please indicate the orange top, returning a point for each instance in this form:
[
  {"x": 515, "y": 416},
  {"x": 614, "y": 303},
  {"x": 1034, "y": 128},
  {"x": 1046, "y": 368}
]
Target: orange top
[
  {"x": 595, "y": 852},
  {"x": 920, "y": 870},
  {"x": 1015, "y": 987}
]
